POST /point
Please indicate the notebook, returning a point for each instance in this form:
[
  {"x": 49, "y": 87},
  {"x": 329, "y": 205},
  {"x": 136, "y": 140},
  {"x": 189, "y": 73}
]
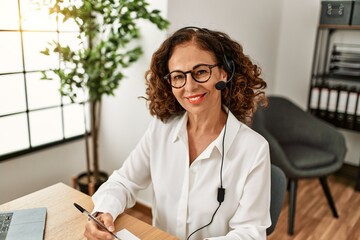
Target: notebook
[{"x": 26, "y": 224}]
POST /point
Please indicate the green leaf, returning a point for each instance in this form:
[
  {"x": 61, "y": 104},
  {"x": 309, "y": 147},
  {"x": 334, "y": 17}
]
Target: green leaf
[
  {"x": 45, "y": 52},
  {"x": 107, "y": 30}
]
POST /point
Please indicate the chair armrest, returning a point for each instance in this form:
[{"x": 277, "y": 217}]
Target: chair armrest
[{"x": 277, "y": 154}]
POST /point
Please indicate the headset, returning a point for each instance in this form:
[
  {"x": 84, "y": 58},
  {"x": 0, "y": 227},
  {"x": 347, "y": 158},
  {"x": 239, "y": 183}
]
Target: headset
[{"x": 229, "y": 67}]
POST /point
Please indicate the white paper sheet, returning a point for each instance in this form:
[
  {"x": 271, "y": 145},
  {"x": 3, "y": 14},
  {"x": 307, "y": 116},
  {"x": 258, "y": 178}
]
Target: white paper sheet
[{"x": 126, "y": 235}]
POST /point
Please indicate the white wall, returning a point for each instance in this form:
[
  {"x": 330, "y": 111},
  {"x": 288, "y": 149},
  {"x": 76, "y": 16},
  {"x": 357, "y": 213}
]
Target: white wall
[
  {"x": 297, "y": 42},
  {"x": 23, "y": 175}
]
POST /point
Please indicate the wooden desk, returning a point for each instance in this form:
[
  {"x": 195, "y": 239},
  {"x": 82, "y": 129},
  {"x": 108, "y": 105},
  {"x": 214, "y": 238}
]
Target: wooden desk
[{"x": 64, "y": 221}]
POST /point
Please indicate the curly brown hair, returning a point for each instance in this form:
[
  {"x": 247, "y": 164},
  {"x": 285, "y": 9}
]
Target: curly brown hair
[{"x": 247, "y": 87}]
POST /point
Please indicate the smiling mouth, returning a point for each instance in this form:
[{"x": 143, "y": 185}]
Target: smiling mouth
[{"x": 196, "y": 98}]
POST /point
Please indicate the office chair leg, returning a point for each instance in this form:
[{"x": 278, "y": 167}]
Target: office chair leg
[
  {"x": 329, "y": 198},
  {"x": 292, "y": 206},
  {"x": 357, "y": 187},
  {"x": 288, "y": 185}
]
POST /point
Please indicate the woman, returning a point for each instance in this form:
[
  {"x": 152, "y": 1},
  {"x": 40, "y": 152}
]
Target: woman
[{"x": 210, "y": 172}]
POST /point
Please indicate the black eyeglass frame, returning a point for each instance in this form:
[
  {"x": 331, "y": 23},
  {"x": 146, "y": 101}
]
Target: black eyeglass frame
[{"x": 211, "y": 66}]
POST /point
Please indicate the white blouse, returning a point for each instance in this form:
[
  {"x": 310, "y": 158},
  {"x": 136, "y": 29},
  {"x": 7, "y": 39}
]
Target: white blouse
[{"x": 185, "y": 198}]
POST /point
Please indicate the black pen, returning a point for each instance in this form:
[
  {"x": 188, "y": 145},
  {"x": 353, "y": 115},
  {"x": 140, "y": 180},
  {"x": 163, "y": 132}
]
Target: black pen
[{"x": 101, "y": 225}]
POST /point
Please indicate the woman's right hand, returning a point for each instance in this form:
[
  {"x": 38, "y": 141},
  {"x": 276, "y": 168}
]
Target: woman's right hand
[{"x": 94, "y": 232}]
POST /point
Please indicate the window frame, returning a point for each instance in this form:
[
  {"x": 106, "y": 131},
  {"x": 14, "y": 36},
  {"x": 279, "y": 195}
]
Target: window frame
[{"x": 27, "y": 111}]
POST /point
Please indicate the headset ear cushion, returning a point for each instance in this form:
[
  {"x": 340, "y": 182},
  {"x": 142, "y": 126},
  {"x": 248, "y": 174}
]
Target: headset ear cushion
[{"x": 228, "y": 64}]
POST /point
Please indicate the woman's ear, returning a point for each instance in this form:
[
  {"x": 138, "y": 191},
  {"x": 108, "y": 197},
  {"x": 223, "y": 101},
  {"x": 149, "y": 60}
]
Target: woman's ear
[{"x": 223, "y": 74}]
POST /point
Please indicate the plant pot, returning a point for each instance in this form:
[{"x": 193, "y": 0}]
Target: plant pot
[{"x": 83, "y": 183}]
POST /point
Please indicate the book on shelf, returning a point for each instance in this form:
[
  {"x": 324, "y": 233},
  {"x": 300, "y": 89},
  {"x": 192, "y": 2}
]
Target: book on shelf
[{"x": 339, "y": 105}]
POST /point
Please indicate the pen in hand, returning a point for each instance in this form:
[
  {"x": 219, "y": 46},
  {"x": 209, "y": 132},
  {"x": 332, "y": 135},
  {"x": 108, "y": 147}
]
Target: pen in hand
[{"x": 100, "y": 224}]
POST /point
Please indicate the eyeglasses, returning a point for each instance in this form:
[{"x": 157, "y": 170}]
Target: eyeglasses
[{"x": 200, "y": 73}]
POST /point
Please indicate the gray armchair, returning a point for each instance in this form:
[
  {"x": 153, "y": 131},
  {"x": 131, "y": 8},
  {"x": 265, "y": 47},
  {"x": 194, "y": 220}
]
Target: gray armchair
[{"x": 302, "y": 145}]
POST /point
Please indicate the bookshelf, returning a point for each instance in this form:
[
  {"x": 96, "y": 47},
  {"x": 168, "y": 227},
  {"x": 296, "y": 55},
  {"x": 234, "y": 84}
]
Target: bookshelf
[{"x": 334, "y": 94}]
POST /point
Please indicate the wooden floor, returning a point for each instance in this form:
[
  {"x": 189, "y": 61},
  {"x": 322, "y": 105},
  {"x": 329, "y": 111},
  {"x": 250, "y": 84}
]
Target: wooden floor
[{"x": 313, "y": 220}]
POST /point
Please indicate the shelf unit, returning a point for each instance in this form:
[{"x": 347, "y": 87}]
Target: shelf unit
[{"x": 333, "y": 97}]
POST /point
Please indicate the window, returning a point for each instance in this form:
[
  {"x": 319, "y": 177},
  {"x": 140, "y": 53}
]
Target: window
[{"x": 33, "y": 114}]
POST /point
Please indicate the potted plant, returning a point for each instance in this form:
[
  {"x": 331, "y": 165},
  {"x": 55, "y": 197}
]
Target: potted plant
[{"x": 105, "y": 28}]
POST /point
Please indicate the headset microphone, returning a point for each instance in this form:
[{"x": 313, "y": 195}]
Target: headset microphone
[{"x": 221, "y": 85}]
